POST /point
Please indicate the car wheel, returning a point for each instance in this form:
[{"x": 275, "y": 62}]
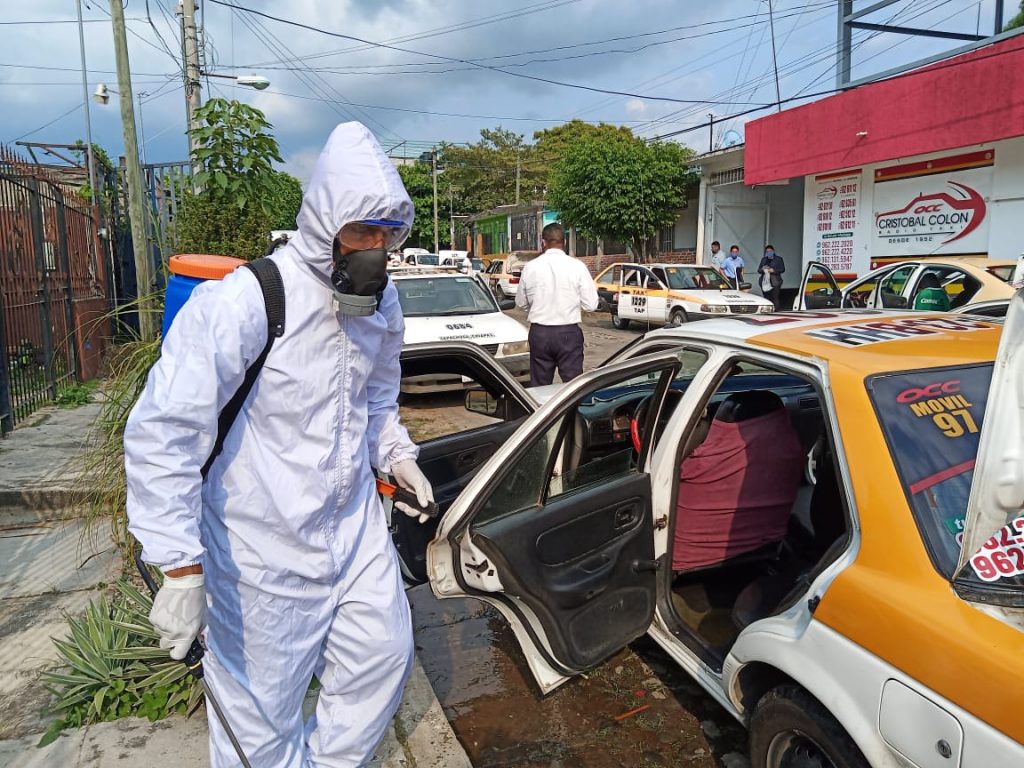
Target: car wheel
[
  {"x": 678, "y": 317},
  {"x": 791, "y": 729},
  {"x": 618, "y": 322}
]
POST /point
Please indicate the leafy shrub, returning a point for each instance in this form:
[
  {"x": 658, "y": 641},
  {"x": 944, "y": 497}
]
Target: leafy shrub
[
  {"x": 76, "y": 394},
  {"x": 113, "y": 667}
]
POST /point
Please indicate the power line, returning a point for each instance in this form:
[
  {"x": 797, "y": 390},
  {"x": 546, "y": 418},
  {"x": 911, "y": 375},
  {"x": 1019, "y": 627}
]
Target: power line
[
  {"x": 60, "y": 21},
  {"x": 45, "y": 68},
  {"x": 439, "y": 114},
  {"x": 522, "y": 75},
  {"x": 462, "y": 26},
  {"x": 476, "y": 63},
  {"x": 898, "y": 76},
  {"x": 150, "y": 43},
  {"x": 58, "y": 118}
]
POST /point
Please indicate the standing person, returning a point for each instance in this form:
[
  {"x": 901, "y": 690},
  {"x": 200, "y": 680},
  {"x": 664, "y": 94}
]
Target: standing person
[
  {"x": 718, "y": 258},
  {"x": 554, "y": 288},
  {"x": 732, "y": 267},
  {"x": 283, "y": 551},
  {"x": 771, "y": 269}
]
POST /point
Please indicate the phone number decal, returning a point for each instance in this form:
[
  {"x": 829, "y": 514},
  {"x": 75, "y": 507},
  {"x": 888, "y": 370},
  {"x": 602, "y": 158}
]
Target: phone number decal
[{"x": 1002, "y": 556}]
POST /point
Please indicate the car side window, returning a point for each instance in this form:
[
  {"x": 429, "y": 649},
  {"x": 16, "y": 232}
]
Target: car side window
[
  {"x": 659, "y": 275},
  {"x": 632, "y": 277},
  {"x": 608, "y": 278},
  {"x": 958, "y": 285},
  {"x": 586, "y": 446},
  {"x": 892, "y": 286}
]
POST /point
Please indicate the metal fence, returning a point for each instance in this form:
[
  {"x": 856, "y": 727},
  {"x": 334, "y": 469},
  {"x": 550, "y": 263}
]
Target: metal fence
[{"x": 52, "y": 289}]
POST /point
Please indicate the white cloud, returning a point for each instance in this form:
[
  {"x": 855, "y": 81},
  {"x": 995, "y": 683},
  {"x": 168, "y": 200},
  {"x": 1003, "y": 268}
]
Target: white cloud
[{"x": 636, "y": 107}]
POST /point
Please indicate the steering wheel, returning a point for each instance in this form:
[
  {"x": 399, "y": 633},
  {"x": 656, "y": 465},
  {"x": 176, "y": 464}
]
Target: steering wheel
[{"x": 672, "y": 398}]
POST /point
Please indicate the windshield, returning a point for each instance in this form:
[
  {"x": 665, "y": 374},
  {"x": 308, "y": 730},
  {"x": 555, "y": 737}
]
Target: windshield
[
  {"x": 694, "y": 278},
  {"x": 932, "y": 420},
  {"x": 1004, "y": 273},
  {"x": 425, "y": 296}
]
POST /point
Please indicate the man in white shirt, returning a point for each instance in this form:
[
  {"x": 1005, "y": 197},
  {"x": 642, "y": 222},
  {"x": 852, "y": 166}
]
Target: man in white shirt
[
  {"x": 554, "y": 288},
  {"x": 718, "y": 257}
]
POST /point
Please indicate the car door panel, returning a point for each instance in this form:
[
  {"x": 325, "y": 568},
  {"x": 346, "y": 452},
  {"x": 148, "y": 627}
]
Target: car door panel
[
  {"x": 449, "y": 462},
  {"x": 582, "y": 582},
  {"x": 572, "y": 569}
]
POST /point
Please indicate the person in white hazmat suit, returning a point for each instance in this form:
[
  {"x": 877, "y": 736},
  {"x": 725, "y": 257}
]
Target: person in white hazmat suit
[{"x": 284, "y": 552}]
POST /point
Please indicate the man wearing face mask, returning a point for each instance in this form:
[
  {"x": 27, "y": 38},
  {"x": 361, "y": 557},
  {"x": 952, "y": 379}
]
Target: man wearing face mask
[{"x": 283, "y": 552}]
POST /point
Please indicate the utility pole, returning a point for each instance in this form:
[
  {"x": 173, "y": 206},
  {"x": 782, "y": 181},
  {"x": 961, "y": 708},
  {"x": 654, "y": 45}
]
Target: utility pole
[
  {"x": 193, "y": 97},
  {"x": 711, "y": 131},
  {"x": 433, "y": 164},
  {"x": 133, "y": 172},
  {"x": 142, "y": 128},
  {"x": 85, "y": 102},
  {"x": 775, "y": 61},
  {"x": 451, "y": 216},
  {"x": 518, "y": 164}
]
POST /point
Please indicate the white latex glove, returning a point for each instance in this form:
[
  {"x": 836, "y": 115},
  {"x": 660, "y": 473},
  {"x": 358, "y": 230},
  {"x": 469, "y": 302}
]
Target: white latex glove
[
  {"x": 408, "y": 475},
  {"x": 179, "y": 612}
]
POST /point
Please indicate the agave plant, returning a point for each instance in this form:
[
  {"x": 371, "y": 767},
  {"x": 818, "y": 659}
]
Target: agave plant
[{"x": 112, "y": 667}]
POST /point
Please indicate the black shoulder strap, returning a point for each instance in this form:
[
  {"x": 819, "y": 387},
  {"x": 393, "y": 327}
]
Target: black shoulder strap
[{"x": 269, "y": 277}]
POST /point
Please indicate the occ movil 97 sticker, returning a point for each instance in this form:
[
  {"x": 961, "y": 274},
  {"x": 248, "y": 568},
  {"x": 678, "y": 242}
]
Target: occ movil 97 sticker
[
  {"x": 944, "y": 404},
  {"x": 1002, "y": 556}
]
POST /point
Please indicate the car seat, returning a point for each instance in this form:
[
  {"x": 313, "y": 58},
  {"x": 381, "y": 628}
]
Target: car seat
[
  {"x": 929, "y": 294},
  {"x": 737, "y": 488}
]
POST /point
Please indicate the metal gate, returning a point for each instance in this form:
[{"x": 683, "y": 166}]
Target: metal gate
[{"x": 51, "y": 286}]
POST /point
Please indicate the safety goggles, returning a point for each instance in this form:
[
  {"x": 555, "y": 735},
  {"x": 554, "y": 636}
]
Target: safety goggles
[{"x": 373, "y": 233}]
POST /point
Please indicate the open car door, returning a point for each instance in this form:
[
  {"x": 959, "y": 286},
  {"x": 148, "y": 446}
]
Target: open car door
[
  {"x": 990, "y": 573},
  {"x": 460, "y": 406},
  {"x": 556, "y": 531},
  {"x": 818, "y": 289}
]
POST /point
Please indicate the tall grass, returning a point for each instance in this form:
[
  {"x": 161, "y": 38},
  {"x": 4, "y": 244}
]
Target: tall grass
[{"x": 100, "y": 490}]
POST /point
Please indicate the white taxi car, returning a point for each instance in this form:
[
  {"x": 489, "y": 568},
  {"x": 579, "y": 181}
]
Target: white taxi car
[
  {"x": 656, "y": 294},
  {"x": 869, "y": 615},
  {"x": 443, "y": 304}
]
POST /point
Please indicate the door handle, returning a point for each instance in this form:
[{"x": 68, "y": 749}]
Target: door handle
[
  {"x": 625, "y": 517},
  {"x": 468, "y": 457}
]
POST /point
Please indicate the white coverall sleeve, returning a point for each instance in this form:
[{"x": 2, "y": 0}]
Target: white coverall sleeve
[
  {"x": 170, "y": 432},
  {"x": 386, "y": 438},
  {"x": 523, "y": 291},
  {"x": 587, "y": 290}
]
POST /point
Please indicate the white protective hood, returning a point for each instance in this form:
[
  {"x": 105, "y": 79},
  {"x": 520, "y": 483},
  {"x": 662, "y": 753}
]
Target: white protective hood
[{"x": 353, "y": 180}]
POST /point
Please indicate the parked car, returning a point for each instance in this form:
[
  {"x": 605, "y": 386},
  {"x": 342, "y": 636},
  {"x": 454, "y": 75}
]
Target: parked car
[
  {"x": 503, "y": 272},
  {"x": 442, "y": 304},
  {"x": 656, "y": 294},
  {"x": 857, "y": 633},
  {"x": 424, "y": 259},
  {"x": 965, "y": 280}
]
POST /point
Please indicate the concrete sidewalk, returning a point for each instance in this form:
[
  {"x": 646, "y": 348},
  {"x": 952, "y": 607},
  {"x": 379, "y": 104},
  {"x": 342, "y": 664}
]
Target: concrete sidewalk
[{"x": 49, "y": 569}]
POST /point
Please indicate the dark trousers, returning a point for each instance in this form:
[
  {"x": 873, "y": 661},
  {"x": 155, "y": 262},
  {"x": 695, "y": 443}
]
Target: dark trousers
[
  {"x": 554, "y": 346},
  {"x": 775, "y": 296}
]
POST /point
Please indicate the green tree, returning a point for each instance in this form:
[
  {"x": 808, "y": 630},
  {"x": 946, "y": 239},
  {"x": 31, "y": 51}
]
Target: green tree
[
  {"x": 241, "y": 196},
  {"x": 485, "y": 172},
  {"x": 551, "y": 144},
  {"x": 616, "y": 187},
  {"x": 420, "y": 186},
  {"x": 1016, "y": 21}
]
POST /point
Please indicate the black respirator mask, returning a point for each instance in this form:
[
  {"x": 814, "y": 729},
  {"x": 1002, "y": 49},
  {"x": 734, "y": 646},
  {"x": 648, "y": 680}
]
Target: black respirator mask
[{"x": 359, "y": 280}]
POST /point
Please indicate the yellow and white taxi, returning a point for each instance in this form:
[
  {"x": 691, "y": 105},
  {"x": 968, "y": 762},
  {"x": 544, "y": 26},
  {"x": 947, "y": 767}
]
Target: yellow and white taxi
[
  {"x": 816, "y": 514},
  {"x": 656, "y": 294},
  {"x": 966, "y": 281}
]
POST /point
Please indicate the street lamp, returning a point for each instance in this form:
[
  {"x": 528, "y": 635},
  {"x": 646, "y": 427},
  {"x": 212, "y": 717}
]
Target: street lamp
[{"x": 258, "y": 82}]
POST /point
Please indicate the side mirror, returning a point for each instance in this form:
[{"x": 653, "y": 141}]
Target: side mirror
[
  {"x": 481, "y": 401},
  {"x": 507, "y": 304}
]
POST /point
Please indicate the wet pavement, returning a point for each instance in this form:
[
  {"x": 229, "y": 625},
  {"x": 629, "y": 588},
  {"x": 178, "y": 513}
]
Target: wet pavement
[{"x": 636, "y": 709}]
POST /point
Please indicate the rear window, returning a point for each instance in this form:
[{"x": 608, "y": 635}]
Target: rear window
[{"x": 932, "y": 422}]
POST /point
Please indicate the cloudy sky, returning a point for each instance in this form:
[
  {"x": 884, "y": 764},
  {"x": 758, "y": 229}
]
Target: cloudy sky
[{"x": 441, "y": 71}]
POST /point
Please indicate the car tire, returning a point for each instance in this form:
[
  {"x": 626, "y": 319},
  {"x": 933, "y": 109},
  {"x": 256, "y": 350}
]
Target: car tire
[
  {"x": 678, "y": 317},
  {"x": 618, "y": 322},
  {"x": 791, "y": 728}
]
